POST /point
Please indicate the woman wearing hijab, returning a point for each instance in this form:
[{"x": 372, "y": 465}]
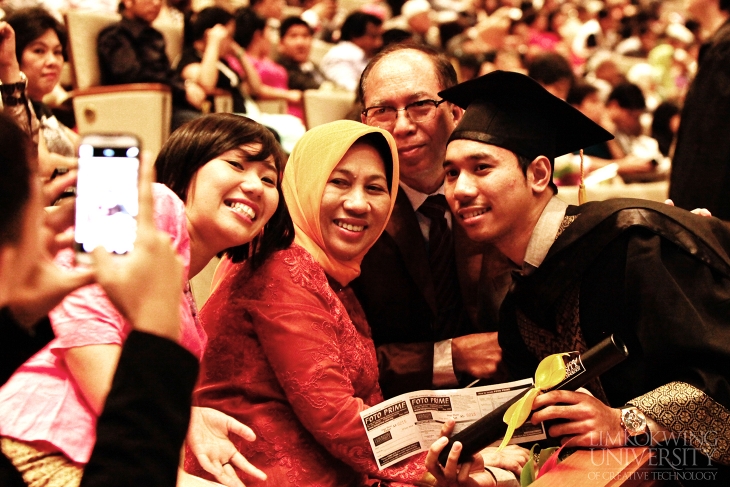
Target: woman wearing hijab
[{"x": 290, "y": 352}]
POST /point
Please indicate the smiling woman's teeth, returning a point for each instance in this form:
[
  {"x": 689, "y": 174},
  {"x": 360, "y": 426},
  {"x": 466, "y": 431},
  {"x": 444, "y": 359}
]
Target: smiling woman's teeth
[
  {"x": 473, "y": 214},
  {"x": 352, "y": 228},
  {"x": 241, "y": 208}
]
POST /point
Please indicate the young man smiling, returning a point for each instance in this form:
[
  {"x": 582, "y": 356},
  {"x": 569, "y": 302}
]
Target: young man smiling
[{"x": 655, "y": 275}]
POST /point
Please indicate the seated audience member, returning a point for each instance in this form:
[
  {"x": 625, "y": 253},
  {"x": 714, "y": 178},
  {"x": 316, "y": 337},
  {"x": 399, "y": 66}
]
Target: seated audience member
[
  {"x": 655, "y": 275},
  {"x": 361, "y": 37},
  {"x": 417, "y": 15},
  {"x": 625, "y": 106},
  {"x": 340, "y": 184},
  {"x": 553, "y": 72},
  {"x": 143, "y": 425},
  {"x": 586, "y": 98},
  {"x": 206, "y": 61},
  {"x": 40, "y": 42},
  {"x": 209, "y": 62},
  {"x": 222, "y": 166},
  {"x": 665, "y": 125},
  {"x": 250, "y": 35},
  {"x": 132, "y": 51},
  {"x": 295, "y": 44},
  {"x": 323, "y": 17}
]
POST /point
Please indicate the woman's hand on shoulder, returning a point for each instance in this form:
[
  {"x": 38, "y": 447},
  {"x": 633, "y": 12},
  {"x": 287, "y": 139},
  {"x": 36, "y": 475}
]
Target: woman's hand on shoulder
[{"x": 208, "y": 438}]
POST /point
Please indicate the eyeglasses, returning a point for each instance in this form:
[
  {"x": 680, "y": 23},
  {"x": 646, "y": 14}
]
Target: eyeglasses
[{"x": 418, "y": 111}]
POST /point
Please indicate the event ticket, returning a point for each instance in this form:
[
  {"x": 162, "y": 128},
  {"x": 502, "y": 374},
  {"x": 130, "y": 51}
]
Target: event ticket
[{"x": 407, "y": 424}]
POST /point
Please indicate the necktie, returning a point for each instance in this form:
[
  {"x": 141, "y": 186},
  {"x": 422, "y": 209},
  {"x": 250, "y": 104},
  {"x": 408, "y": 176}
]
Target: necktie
[{"x": 442, "y": 262}]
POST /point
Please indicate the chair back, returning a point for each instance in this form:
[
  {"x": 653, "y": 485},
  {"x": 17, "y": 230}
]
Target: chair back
[
  {"x": 83, "y": 29},
  {"x": 323, "y": 106},
  {"x": 319, "y": 49}
]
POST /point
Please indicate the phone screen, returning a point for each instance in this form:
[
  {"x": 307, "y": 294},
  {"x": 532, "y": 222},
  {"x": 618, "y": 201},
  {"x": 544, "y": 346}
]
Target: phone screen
[{"x": 107, "y": 201}]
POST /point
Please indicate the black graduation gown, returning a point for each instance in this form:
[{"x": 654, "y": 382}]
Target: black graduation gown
[{"x": 657, "y": 276}]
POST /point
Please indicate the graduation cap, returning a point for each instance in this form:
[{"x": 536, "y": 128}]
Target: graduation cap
[{"x": 512, "y": 111}]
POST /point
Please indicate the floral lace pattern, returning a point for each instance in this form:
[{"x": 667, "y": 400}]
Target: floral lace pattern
[{"x": 293, "y": 359}]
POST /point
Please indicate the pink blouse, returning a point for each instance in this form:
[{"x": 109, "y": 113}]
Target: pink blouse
[{"x": 41, "y": 401}]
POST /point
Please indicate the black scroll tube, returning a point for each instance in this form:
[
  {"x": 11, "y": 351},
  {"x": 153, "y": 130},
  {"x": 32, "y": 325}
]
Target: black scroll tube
[{"x": 491, "y": 427}]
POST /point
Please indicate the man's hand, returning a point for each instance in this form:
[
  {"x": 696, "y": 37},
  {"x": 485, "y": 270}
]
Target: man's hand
[
  {"x": 209, "y": 441},
  {"x": 590, "y": 422},
  {"x": 478, "y": 355}
]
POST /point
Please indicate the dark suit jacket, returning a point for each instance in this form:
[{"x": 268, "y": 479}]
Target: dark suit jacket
[
  {"x": 396, "y": 291},
  {"x": 145, "y": 419}
]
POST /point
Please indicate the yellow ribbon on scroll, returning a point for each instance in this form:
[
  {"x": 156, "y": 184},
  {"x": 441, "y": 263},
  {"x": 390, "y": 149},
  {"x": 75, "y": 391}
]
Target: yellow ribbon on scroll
[{"x": 550, "y": 373}]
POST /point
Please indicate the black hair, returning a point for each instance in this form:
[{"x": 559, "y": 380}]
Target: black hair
[
  {"x": 661, "y": 125},
  {"x": 31, "y": 23},
  {"x": 524, "y": 163},
  {"x": 15, "y": 183},
  {"x": 290, "y": 22},
  {"x": 356, "y": 24},
  {"x": 378, "y": 142},
  {"x": 207, "y": 19},
  {"x": 443, "y": 68},
  {"x": 248, "y": 22},
  {"x": 579, "y": 91},
  {"x": 394, "y": 36},
  {"x": 549, "y": 68},
  {"x": 201, "y": 140},
  {"x": 628, "y": 96}
]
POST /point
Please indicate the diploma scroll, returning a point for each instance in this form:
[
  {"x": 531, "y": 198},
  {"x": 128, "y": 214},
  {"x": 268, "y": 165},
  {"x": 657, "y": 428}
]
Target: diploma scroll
[{"x": 580, "y": 369}]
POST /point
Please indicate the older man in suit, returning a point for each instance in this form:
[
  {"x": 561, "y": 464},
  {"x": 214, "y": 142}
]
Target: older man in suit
[{"x": 424, "y": 286}]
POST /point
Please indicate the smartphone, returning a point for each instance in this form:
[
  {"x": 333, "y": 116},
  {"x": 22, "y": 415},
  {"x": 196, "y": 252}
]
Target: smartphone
[{"x": 107, "y": 202}]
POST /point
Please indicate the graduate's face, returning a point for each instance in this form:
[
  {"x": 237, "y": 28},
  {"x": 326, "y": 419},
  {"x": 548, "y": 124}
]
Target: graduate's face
[
  {"x": 231, "y": 198},
  {"x": 355, "y": 203},
  {"x": 487, "y": 190}
]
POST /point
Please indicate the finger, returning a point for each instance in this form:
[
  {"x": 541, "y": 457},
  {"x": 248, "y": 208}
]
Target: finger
[
  {"x": 245, "y": 466},
  {"x": 212, "y": 467},
  {"x": 464, "y": 471},
  {"x": 229, "y": 477},
  {"x": 448, "y": 428},
  {"x": 669, "y": 202},
  {"x": 77, "y": 278},
  {"x": 53, "y": 188},
  {"x": 452, "y": 463},
  {"x": 62, "y": 241},
  {"x": 240, "y": 429},
  {"x": 61, "y": 217},
  {"x": 554, "y": 397},
  {"x": 103, "y": 264},
  {"x": 145, "y": 217},
  {"x": 570, "y": 412},
  {"x": 432, "y": 456}
]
